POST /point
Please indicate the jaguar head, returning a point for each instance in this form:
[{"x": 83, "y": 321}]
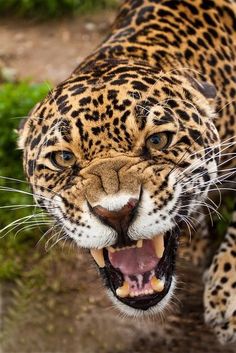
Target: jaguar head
[{"x": 121, "y": 155}]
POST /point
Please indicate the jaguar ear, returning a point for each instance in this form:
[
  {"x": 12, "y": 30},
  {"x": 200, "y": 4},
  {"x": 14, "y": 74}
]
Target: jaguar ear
[
  {"x": 23, "y": 129},
  {"x": 22, "y": 133},
  {"x": 207, "y": 89}
]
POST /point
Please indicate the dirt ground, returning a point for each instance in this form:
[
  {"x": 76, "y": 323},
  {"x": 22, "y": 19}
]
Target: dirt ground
[
  {"x": 69, "y": 311},
  {"x": 50, "y": 51}
]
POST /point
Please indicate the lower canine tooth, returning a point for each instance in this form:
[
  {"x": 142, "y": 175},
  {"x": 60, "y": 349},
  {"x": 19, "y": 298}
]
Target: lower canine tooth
[
  {"x": 123, "y": 291},
  {"x": 139, "y": 243},
  {"x": 159, "y": 245},
  {"x": 98, "y": 257},
  {"x": 157, "y": 284}
]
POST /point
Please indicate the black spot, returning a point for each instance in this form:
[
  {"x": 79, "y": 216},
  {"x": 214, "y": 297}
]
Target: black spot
[
  {"x": 209, "y": 20},
  {"x": 31, "y": 166},
  {"x": 63, "y": 108},
  {"x": 164, "y": 13},
  {"x": 191, "y": 7},
  {"x": 145, "y": 14},
  {"x": 62, "y": 99},
  {"x": 183, "y": 114},
  {"x": 202, "y": 43},
  {"x": 192, "y": 45},
  {"x": 44, "y": 129},
  {"x": 77, "y": 89},
  {"x": 96, "y": 130},
  {"x": 173, "y": 4},
  {"x": 188, "y": 54},
  {"x": 185, "y": 140},
  {"x": 208, "y": 38},
  {"x": 206, "y": 5},
  {"x": 224, "y": 280},
  {"x": 233, "y": 253},
  {"x": 212, "y": 61},
  {"x": 84, "y": 101},
  {"x": 35, "y": 142},
  {"x": 196, "y": 118},
  {"x": 227, "y": 267},
  {"x": 172, "y": 103},
  {"x": 139, "y": 86},
  {"x": 167, "y": 91},
  {"x": 74, "y": 114}
]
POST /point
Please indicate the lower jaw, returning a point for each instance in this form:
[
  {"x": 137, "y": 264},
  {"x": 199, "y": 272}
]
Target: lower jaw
[
  {"x": 142, "y": 304},
  {"x": 148, "y": 301},
  {"x": 134, "y": 312}
]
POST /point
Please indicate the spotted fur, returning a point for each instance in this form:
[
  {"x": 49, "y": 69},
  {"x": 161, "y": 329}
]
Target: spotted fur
[{"x": 155, "y": 72}]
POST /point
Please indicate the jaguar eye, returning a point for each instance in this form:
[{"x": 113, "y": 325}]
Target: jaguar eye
[
  {"x": 159, "y": 141},
  {"x": 63, "y": 159}
]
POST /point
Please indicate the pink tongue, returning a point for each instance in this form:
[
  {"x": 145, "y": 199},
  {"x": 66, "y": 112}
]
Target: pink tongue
[{"x": 135, "y": 260}]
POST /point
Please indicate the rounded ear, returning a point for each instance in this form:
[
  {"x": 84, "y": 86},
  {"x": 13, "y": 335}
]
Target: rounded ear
[
  {"x": 23, "y": 129},
  {"x": 207, "y": 89},
  {"x": 22, "y": 133}
]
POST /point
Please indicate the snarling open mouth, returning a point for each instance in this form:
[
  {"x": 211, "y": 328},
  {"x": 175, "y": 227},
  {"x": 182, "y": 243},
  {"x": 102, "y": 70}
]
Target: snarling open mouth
[{"x": 139, "y": 275}]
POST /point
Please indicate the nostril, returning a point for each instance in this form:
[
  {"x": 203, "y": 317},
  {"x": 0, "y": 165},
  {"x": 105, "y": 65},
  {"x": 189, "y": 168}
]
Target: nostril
[
  {"x": 124, "y": 211},
  {"x": 132, "y": 203}
]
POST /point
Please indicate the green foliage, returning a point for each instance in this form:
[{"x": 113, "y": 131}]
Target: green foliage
[
  {"x": 225, "y": 210},
  {"x": 16, "y": 100},
  {"x": 52, "y": 8}
]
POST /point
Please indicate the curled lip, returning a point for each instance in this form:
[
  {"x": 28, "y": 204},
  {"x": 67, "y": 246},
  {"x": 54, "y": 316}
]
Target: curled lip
[{"x": 114, "y": 278}]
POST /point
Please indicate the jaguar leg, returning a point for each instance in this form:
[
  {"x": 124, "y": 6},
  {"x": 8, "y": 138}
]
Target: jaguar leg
[{"x": 220, "y": 288}]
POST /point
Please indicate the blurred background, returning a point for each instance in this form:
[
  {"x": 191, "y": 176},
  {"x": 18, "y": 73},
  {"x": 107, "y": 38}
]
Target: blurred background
[{"x": 51, "y": 299}]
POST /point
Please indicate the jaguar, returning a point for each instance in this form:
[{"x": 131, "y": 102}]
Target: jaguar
[{"x": 126, "y": 153}]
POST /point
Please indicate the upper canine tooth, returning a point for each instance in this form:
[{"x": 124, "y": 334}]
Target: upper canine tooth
[
  {"x": 159, "y": 245},
  {"x": 123, "y": 291},
  {"x": 139, "y": 243},
  {"x": 98, "y": 257},
  {"x": 157, "y": 284},
  {"x": 111, "y": 249}
]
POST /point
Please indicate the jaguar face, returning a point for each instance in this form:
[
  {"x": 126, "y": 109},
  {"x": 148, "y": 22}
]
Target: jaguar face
[{"x": 120, "y": 157}]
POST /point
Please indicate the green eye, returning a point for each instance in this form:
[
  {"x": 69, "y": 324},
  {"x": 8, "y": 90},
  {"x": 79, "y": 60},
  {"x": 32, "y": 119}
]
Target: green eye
[
  {"x": 159, "y": 141},
  {"x": 63, "y": 159}
]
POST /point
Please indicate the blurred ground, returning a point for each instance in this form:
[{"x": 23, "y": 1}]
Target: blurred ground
[
  {"x": 63, "y": 308},
  {"x": 70, "y": 312},
  {"x": 50, "y": 51}
]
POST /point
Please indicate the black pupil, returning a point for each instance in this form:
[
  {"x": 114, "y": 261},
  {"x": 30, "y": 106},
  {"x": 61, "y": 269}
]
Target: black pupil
[
  {"x": 66, "y": 156},
  {"x": 155, "y": 139}
]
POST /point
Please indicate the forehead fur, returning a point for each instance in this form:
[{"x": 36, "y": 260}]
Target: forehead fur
[{"x": 114, "y": 106}]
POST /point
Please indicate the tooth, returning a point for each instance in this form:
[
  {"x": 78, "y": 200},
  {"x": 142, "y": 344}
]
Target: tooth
[
  {"x": 139, "y": 243},
  {"x": 98, "y": 257},
  {"x": 157, "y": 284},
  {"x": 159, "y": 245},
  {"x": 111, "y": 249},
  {"x": 123, "y": 291}
]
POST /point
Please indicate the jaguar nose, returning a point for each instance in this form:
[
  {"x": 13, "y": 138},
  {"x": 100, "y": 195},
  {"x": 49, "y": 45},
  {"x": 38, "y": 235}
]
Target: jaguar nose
[{"x": 119, "y": 220}]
